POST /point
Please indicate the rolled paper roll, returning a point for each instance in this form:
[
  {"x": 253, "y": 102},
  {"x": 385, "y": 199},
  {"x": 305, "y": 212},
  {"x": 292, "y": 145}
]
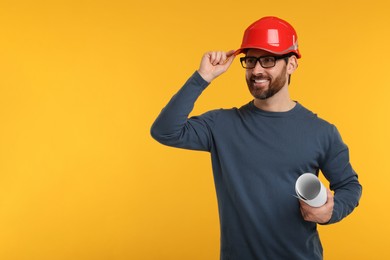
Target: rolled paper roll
[{"x": 310, "y": 190}]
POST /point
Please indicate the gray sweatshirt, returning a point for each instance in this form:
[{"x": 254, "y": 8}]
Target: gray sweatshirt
[{"x": 256, "y": 158}]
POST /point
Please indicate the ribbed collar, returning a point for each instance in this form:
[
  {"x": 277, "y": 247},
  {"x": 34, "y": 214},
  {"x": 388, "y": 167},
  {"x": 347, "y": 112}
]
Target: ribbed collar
[{"x": 291, "y": 112}]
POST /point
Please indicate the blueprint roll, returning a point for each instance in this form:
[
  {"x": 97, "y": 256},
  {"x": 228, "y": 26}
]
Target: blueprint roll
[{"x": 310, "y": 190}]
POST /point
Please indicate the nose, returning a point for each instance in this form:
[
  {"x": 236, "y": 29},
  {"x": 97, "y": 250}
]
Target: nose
[{"x": 258, "y": 69}]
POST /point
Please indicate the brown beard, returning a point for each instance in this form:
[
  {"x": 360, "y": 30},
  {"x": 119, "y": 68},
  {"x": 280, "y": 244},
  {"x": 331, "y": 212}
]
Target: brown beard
[{"x": 275, "y": 85}]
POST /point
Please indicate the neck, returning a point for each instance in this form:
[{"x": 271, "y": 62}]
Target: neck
[{"x": 280, "y": 102}]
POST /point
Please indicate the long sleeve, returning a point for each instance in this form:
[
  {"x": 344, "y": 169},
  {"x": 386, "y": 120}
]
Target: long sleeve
[
  {"x": 343, "y": 179},
  {"x": 173, "y": 127}
]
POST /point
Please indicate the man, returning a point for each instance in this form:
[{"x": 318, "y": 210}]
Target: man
[{"x": 260, "y": 149}]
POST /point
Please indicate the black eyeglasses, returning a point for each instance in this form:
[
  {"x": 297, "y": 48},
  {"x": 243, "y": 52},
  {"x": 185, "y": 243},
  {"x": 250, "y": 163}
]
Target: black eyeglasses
[{"x": 249, "y": 62}]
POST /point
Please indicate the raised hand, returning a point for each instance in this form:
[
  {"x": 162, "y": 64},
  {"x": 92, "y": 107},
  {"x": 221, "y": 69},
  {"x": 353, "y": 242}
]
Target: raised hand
[{"x": 214, "y": 63}]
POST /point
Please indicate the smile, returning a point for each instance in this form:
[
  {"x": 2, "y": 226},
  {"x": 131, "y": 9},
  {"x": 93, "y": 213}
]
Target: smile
[{"x": 261, "y": 80}]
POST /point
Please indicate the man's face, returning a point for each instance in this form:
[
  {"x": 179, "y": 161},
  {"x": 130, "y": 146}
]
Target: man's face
[{"x": 262, "y": 82}]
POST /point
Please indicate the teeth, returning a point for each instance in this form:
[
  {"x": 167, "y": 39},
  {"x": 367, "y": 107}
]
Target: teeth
[{"x": 261, "y": 80}]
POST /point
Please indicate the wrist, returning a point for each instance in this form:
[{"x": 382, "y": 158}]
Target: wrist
[{"x": 207, "y": 77}]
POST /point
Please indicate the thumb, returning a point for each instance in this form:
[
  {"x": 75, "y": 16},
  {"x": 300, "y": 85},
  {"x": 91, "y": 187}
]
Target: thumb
[
  {"x": 231, "y": 53},
  {"x": 230, "y": 57}
]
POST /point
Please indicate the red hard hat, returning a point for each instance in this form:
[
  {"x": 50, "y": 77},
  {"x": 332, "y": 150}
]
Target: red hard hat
[{"x": 271, "y": 34}]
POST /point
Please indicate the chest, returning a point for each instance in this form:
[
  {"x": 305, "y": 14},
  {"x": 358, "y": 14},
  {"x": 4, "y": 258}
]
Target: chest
[{"x": 271, "y": 143}]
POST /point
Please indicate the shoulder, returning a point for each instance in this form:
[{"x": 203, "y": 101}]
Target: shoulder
[
  {"x": 221, "y": 113},
  {"x": 221, "y": 117},
  {"x": 313, "y": 118},
  {"x": 317, "y": 124}
]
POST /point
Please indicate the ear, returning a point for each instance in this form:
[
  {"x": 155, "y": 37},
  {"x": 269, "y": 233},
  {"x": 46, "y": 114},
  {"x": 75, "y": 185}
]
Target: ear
[{"x": 292, "y": 64}]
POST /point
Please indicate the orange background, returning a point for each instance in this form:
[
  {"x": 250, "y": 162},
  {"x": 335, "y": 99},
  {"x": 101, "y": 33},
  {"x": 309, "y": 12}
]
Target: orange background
[{"x": 82, "y": 81}]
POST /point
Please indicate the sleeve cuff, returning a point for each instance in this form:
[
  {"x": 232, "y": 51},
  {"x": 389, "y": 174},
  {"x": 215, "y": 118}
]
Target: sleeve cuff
[{"x": 199, "y": 80}]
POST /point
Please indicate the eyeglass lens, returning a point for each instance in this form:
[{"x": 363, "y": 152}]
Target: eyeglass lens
[{"x": 265, "y": 62}]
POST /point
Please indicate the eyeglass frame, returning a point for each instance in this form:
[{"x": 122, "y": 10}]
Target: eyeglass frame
[{"x": 258, "y": 59}]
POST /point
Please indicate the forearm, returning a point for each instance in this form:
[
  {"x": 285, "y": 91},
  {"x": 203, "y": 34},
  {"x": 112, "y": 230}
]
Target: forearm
[
  {"x": 173, "y": 118},
  {"x": 346, "y": 199},
  {"x": 343, "y": 179}
]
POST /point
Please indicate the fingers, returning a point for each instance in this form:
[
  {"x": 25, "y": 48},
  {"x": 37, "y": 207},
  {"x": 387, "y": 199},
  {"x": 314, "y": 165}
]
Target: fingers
[
  {"x": 215, "y": 57},
  {"x": 214, "y": 63},
  {"x": 320, "y": 214},
  {"x": 219, "y": 57}
]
